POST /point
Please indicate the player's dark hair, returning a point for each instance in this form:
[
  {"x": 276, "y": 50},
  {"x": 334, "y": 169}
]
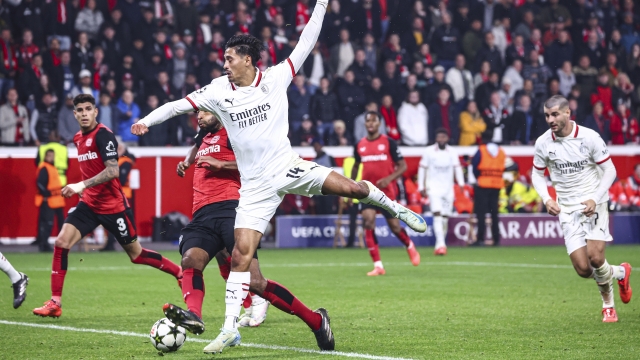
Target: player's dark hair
[
  {"x": 374, "y": 113},
  {"x": 442, "y": 130},
  {"x": 246, "y": 45},
  {"x": 557, "y": 100},
  {"x": 84, "y": 98}
]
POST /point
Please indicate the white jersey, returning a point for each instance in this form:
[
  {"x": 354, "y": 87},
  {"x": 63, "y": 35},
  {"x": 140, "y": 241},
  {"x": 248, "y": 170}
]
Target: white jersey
[
  {"x": 573, "y": 165},
  {"x": 256, "y": 118},
  {"x": 439, "y": 166}
]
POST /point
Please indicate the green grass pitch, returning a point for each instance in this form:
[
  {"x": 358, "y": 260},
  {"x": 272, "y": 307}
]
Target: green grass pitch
[{"x": 502, "y": 303}]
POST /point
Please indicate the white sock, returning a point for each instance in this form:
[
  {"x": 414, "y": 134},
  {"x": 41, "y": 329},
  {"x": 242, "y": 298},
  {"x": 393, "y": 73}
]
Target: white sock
[
  {"x": 618, "y": 272},
  {"x": 604, "y": 278},
  {"x": 438, "y": 230},
  {"x": 445, "y": 225},
  {"x": 378, "y": 198},
  {"x": 236, "y": 292},
  {"x": 8, "y": 269},
  {"x": 378, "y": 264}
]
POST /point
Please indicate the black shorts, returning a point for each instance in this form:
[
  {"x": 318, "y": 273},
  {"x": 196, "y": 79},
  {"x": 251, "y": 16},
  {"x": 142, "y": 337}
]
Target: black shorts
[
  {"x": 121, "y": 225},
  {"x": 382, "y": 211},
  {"x": 211, "y": 229}
]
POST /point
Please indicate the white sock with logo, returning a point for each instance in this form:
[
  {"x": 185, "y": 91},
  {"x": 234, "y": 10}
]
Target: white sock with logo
[
  {"x": 236, "y": 292},
  {"x": 8, "y": 269},
  {"x": 378, "y": 198},
  {"x": 604, "y": 278},
  {"x": 618, "y": 272},
  {"x": 438, "y": 231}
]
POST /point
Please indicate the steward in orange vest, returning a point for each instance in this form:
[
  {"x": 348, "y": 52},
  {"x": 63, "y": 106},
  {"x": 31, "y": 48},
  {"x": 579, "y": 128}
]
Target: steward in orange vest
[
  {"x": 488, "y": 166},
  {"x": 49, "y": 199}
]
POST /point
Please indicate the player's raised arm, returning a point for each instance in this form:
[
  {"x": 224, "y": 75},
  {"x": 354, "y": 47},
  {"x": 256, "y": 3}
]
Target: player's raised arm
[
  {"x": 162, "y": 114},
  {"x": 309, "y": 36}
]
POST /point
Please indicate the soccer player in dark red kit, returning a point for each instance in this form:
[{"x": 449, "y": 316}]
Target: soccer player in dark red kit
[
  {"x": 382, "y": 165},
  {"x": 102, "y": 203},
  {"x": 216, "y": 185}
]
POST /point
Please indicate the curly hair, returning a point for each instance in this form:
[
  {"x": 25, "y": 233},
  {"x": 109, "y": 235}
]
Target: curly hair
[{"x": 246, "y": 45}]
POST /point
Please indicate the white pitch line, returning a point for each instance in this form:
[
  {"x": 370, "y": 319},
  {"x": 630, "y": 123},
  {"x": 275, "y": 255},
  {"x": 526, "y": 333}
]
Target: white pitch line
[
  {"x": 251, "y": 345},
  {"x": 353, "y": 264}
]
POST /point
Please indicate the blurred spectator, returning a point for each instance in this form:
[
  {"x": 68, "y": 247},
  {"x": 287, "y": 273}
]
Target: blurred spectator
[
  {"x": 29, "y": 80},
  {"x": 9, "y": 58},
  {"x": 113, "y": 48},
  {"x": 482, "y": 76},
  {"x": 524, "y": 28},
  {"x": 462, "y": 18},
  {"x": 484, "y": 91},
  {"x": 513, "y": 74},
  {"x": 81, "y": 54},
  {"x": 299, "y": 99},
  {"x": 538, "y": 73},
  {"x": 324, "y": 104},
  {"x": 339, "y": 136},
  {"x": 44, "y": 119},
  {"x": 324, "y": 204},
  {"x": 413, "y": 121},
  {"x": 365, "y": 19},
  {"x": 431, "y": 91},
  {"x": 446, "y": 41},
  {"x": 67, "y": 123},
  {"x": 567, "y": 78},
  {"x": 370, "y": 52},
  {"x": 598, "y": 122},
  {"x": 472, "y": 125},
  {"x": 443, "y": 114},
  {"x": 389, "y": 117},
  {"x": 374, "y": 92},
  {"x": 108, "y": 113},
  {"x": 163, "y": 89},
  {"x": 516, "y": 197},
  {"x": 27, "y": 50},
  {"x": 501, "y": 34},
  {"x": 14, "y": 121},
  {"x": 334, "y": 20},
  {"x": 631, "y": 187},
  {"x": 362, "y": 72},
  {"x": 391, "y": 81},
  {"x": 496, "y": 117},
  {"x": 129, "y": 115},
  {"x": 555, "y": 13},
  {"x": 359, "y": 129},
  {"x": 611, "y": 65},
  {"x": 525, "y": 125},
  {"x": 562, "y": 50},
  {"x": 628, "y": 125},
  {"x": 506, "y": 99},
  {"x": 486, "y": 13},
  {"x": 594, "y": 50},
  {"x": 314, "y": 67},
  {"x": 351, "y": 98},
  {"x": 85, "y": 86},
  {"x": 393, "y": 51},
  {"x": 603, "y": 94},
  {"x": 515, "y": 51},
  {"x": 586, "y": 75},
  {"x": 186, "y": 17},
  {"x": 89, "y": 19},
  {"x": 461, "y": 82},
  {"x": 158, "y": 135},
  {"x": 342, "y": 54},
  {"x": 624, "y": 92},
  {"x": 304, "y": 135},
  {"x": 180, "y": 66},
  {"x": 490, "y": 53},
  {"x": 424, "y": 55}
]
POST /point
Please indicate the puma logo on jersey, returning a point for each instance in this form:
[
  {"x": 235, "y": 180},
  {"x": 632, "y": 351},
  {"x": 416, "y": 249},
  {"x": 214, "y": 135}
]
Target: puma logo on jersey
[
  {"x": 88, "y": 156},
  {"x": 230, "y": 101},
  {"x": 208, "y": 150}
]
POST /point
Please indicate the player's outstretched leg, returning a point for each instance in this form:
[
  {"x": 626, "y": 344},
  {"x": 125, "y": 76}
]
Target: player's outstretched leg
[
  {"x": 142, "y": 256},
  {"x": 19, "y": 281},
  {"x": 336, "y": 184},
  {"x": 622, "y": 274},
  {"x": 401, "y": 234}
]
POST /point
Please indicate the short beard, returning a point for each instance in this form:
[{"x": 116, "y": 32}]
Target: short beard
[{"x": 442, "y": 146}]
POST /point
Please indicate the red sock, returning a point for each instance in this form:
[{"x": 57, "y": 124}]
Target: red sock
[
  {"x": 193, "y": 290},
  {"x": 153, "y": 259},
  {"x": 284, "y": 300},
  {"x": 404, "y": 238},
  {"x": 248, "y": 301},
  {"x": 225, "y": 268},
  {"x": 372, "y": 244},
  {"x": 58, "y": 271}
]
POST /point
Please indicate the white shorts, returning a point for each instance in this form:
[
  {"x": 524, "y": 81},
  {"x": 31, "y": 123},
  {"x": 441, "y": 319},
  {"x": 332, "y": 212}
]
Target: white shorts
[
  {"x": 441, "y": 202},
  {"x": 260, "y": 198},
  {"x": 577, "y": 228}
]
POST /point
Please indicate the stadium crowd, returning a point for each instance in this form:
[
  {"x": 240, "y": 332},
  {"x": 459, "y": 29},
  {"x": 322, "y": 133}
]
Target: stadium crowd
[{"x": 467, "y": 65}]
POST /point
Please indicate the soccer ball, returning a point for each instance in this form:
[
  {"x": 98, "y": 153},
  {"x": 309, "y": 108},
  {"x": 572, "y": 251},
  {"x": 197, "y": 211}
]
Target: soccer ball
[{"x": 166, "y": 336}]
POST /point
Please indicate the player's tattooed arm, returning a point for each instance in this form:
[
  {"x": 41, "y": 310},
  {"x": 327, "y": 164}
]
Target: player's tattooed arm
[{"x": 110, "y": 172}]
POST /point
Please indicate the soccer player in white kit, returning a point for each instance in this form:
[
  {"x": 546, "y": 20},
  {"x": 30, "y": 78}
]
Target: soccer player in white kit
[
  {"x": 582, "y": 172},
  {"x": 253, "y": 106},
  {"x": 435, "y": 180}
]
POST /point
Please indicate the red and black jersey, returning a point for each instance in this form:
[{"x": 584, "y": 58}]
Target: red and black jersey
[
  {"x": 378, "y": 158},
  {"x": 94, "y": 149},
  {"x": 214, "y": 186}
]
